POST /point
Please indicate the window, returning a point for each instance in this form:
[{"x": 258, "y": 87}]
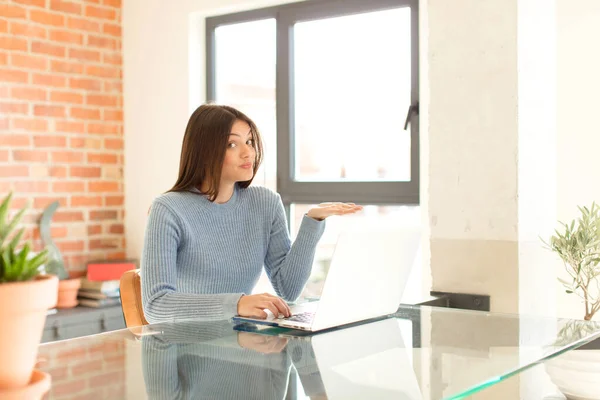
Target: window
[
  {"x": 333, "y": 87},
  {"x": 250, "y": 86}
]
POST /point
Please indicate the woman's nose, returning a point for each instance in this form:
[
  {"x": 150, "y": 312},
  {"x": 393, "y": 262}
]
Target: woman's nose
[{"x": 247, "y": 152}]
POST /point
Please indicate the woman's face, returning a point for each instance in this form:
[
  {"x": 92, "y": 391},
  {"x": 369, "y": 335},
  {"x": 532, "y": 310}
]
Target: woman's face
[{"x": 240, "y": 155}]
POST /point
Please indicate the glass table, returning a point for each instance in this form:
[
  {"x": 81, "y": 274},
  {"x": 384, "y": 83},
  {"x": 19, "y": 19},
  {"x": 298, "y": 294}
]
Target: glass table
[{"x": 420, "y": 352}]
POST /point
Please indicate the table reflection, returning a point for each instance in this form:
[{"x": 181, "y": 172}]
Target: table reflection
[{"x": 210, "y": 361}]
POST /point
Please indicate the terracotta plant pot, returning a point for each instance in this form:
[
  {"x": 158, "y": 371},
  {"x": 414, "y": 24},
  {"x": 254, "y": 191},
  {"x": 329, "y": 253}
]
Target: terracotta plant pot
[
  {"x": 67, "y": 293},
  {"x": 35, "y": 390},
  {"x": 23, "y": 307}
]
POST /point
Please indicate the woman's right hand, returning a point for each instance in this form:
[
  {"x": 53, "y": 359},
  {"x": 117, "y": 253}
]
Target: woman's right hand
[
  {"x": 262, "y": 343},
  {"x": 253, "y": 306}
]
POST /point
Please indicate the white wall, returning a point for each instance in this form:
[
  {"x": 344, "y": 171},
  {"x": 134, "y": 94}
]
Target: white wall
[
  {"x": 578, "y": 122},
  {"x": 470, "y": 245}
]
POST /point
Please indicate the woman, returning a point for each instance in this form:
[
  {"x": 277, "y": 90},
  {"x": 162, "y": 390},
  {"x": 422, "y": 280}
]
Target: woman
[{"x": 208, "y": 237}]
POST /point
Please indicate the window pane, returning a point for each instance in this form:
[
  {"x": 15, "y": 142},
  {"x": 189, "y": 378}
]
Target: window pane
[
  {"x": 245, "y": 79},
  {"x": 352, "y": 83}
]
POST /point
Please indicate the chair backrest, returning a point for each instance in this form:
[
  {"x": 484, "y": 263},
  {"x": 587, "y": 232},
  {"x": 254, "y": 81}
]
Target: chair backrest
[{"x": 131, "y": 299}]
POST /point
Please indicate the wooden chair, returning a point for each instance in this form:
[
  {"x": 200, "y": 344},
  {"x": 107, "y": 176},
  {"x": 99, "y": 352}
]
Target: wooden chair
[{"x": 131, "y": 299}]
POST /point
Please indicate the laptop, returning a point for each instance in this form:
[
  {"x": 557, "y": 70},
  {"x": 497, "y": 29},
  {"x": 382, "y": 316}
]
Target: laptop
[{"x": 366, "y": 279}]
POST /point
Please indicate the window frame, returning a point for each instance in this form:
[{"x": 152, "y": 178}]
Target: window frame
[{"x": 286, "y": 15}]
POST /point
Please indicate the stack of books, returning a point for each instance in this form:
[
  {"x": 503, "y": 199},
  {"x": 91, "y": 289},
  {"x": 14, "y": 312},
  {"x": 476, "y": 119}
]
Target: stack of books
[
  {"x": 99, "y": 293},
  {"x": 100, "y": 287}
]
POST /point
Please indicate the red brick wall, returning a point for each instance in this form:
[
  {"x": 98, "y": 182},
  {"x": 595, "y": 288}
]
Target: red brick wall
[
  {"x": 61, "y": 120},
  {"x": 85, "y": 370}
]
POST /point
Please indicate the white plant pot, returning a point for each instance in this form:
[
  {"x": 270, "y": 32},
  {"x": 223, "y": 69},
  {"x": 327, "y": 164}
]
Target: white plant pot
[{"x": 576, "y": 373}]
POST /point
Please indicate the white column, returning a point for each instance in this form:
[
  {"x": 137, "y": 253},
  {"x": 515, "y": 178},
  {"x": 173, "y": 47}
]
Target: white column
[
  {"x": 491, "y": 157},
  {"x": 537, "y": 178},
  {"x": 473, "y": 148},
  {"x": 492, "y": 149}
]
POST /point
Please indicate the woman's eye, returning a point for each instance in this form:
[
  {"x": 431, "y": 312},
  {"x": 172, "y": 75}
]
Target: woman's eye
[
  {"x": 231, "y": 145},
  {"x": 250, "y": 142}
]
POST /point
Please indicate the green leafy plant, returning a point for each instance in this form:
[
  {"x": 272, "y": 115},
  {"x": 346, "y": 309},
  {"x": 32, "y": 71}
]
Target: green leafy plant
[
  {"x": 578, "y": 246},
  {"x": 16, "y": 265}
]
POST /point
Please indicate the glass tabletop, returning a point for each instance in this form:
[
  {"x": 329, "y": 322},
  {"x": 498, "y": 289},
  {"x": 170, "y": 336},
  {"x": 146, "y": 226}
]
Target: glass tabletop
[{"x": 418, "y": 353}]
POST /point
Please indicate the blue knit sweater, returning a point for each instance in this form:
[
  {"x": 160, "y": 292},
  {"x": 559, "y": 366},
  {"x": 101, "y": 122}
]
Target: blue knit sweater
[{"x": 200, "y": 257}]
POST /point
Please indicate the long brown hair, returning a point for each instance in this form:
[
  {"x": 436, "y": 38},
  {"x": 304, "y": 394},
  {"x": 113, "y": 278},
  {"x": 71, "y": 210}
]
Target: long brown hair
[{"x": 204, "y": 146}]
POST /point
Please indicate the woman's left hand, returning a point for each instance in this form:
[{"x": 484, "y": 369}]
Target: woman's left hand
[{"x": 325, "y": 210}]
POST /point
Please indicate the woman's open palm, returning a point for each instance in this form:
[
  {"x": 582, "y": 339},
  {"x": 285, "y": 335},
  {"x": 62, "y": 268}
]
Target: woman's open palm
[{"x": 325, "y": 210}]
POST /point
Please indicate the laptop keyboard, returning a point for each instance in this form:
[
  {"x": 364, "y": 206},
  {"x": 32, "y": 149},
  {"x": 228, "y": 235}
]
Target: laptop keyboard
[{"x": 302, "y": 317}]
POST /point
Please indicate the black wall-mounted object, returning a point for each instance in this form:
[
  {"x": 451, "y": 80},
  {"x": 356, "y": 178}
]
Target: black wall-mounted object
[{"x": 465, "y": 301}]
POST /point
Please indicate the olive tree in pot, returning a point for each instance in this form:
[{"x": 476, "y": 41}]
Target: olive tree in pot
[
  {"x": 577, "y": 373},
  {"x": 25, "y": 297},
  {"x": 579, "y": 248}
]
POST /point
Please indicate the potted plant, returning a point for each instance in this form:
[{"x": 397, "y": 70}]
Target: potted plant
[
  {"x": 67, "y": 287},
  {"x": 577, "y": 373},
  {"x": 578, "y": 246},
  {"x": 25, "y": 297}
]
